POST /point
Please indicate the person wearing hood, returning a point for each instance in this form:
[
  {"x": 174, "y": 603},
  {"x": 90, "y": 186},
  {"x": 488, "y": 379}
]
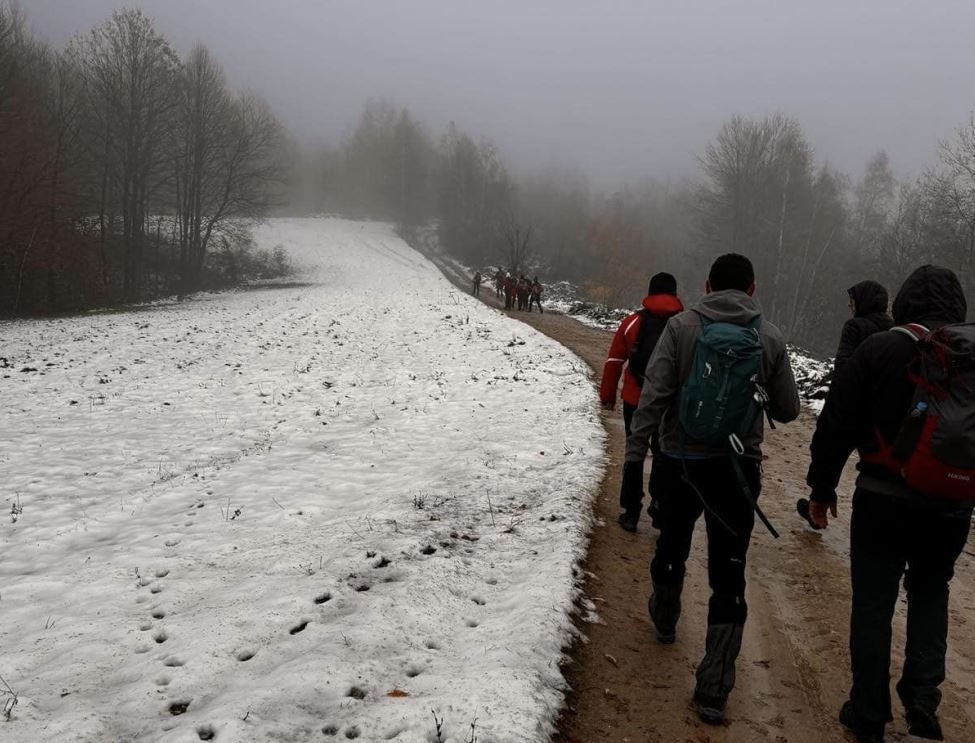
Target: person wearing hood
[
  {"x": 696, "y": 474},
  {"x": 640, "y": 329},
  {"x": 868, "y": 303},
  {"x": 895, "y": 533}
]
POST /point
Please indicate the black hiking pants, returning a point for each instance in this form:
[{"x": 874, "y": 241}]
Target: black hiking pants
[
  {"x": 631, "y": 499},
  {"x": 890, "y": 539},
  {"x": 729, "y": 518},
  {"x": 717, "y": 482}
]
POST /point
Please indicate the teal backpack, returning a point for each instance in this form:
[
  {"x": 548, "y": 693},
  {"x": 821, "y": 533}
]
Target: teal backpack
[
  {"x": 718, "y": 399},
  {"x": 723, "y": 394}
]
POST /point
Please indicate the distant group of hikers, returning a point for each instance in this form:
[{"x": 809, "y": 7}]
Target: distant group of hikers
[
  {"x": 698, "y": 386},
  {"x": 520, "y": 293}
]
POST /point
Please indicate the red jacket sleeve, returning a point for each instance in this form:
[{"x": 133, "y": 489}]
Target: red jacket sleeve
[{"x": 619, "y": 354}]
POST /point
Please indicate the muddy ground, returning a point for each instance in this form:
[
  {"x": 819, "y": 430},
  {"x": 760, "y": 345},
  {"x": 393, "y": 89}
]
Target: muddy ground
[{"x": 793, "y": 672}]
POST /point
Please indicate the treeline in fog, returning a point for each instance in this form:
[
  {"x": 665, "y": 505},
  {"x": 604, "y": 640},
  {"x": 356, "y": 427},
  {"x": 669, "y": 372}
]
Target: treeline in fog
[
  {"x": 125, "y": 171},
  {"x": 811, "y": 229}
]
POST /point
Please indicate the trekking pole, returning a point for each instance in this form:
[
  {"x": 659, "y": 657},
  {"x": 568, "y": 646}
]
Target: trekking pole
[{"x": 738, "y": 450}]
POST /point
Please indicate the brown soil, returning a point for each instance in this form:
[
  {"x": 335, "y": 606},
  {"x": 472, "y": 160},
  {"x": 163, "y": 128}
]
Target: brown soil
[{"x": 793, "y": 672}]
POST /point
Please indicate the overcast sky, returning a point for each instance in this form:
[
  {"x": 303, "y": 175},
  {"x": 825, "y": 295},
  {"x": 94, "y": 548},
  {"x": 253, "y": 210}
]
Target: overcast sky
[{"x": 624, "y": 89}]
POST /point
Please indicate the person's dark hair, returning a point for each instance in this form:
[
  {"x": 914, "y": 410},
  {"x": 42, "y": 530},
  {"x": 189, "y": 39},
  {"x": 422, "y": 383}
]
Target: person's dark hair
[
  {"x": 662, "y": 283},
  {"x": 731, "y": 271}
]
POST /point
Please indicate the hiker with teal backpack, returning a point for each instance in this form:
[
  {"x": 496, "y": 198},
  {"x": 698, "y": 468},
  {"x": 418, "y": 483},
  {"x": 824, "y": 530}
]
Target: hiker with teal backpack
[
  {"x": 905, "y": 401},
  {"x": 718, "y": 371}
]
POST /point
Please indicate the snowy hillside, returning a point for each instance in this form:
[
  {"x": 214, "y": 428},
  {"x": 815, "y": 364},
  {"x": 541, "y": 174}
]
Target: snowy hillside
[{"x": 314, "y": 512}]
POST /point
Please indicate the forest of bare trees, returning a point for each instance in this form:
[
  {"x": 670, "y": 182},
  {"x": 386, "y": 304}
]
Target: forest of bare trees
[
  {"x": 126, "y": 173},
  {"x": 811, "y": 229}
]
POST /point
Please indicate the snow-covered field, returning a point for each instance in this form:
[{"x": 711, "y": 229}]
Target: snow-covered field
[{"x": 329, "y": 511}]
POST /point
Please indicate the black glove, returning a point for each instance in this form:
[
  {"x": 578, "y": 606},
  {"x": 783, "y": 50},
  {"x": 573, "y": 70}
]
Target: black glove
[{"x": 631, "y": 486}]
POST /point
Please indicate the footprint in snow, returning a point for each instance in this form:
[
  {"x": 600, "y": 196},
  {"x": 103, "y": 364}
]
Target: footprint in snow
[
  {"x": 171, "y": 542},
  {"x": 173, "y": 662},
  {"x": 300, "y": 627},
  {"x": 160, "y": 636},
  {"x": 179, "y": 707},
  {"x": 206, "y": 732},
  {"x": 323, "y": 598}
]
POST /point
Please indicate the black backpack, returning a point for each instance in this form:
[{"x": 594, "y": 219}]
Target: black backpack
[{"x": 651, "y": 327}]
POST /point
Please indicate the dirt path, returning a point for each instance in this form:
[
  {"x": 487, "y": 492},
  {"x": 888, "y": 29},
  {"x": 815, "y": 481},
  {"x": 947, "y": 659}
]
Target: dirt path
[{"x": 793, "y": 670}]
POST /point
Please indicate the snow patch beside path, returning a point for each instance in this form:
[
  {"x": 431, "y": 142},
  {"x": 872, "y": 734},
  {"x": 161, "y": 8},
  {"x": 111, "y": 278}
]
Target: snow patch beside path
[{"x": 294, "y": 513}]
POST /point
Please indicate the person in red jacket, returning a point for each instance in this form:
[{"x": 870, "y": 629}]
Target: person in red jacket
[{"x": 629, "y": 353}]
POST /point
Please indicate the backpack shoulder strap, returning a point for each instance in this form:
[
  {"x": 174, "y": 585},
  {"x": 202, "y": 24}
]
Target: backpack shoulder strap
[
  {"x": 914, "y": 331},
  {"x": 705, "y": 320}
]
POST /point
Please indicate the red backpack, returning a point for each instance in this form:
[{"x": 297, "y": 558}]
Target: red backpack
[{"x": 934, "y": 451}]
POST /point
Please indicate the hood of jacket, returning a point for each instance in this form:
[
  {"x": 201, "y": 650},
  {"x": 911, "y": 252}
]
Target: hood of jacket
[
  {"x": 869, "y": 298},
  {"x": 662, "y": 305},
  {"x": 930, "y": 296},
  {"x": 729, "y": 305}
]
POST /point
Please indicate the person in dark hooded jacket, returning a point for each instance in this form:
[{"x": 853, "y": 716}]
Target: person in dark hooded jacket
[
  {"x": 868, "y": 302},
  {"x": 894, "y": 532}
]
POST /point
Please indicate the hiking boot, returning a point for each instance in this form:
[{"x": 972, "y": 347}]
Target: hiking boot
[
  {"x": 629, "y": 520},
  {"x": 709, "y": 709},
  {"x": 664, "y": 606},
  {"x": 923, "y": 723},
  {"x": 864, "y": 731}
]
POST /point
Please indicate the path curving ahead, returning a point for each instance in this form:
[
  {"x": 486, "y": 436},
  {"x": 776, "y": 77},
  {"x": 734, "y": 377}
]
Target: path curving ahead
[{"x": 793, "y": 671}]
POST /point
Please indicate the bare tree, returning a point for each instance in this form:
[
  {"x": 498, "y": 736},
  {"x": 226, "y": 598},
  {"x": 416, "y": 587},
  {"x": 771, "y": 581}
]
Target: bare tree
[
  {"x": 200, "y": 133},
  {"x": 515, "y": 247},
  {"x": 130, "y": 73}
]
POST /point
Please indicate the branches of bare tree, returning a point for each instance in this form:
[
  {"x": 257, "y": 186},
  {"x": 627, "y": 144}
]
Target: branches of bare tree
[
  {"x": 515, "y": 244},
  {"x": 112, "y": 150}
]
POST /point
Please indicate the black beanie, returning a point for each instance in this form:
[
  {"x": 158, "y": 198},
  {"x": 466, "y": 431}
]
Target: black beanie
[{"x": 663, "y": 283}]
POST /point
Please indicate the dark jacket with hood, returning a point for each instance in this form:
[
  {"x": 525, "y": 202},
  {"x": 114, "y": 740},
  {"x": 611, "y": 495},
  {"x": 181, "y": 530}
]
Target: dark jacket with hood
[
  {"x": 671, "y": 364},
  {"x": 870, "y": 307},
  {"x": 873, "y": 395}
]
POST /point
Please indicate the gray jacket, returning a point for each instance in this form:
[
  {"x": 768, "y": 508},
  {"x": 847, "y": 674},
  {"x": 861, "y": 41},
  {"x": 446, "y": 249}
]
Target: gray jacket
[{"x": 671, "y": 363}]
